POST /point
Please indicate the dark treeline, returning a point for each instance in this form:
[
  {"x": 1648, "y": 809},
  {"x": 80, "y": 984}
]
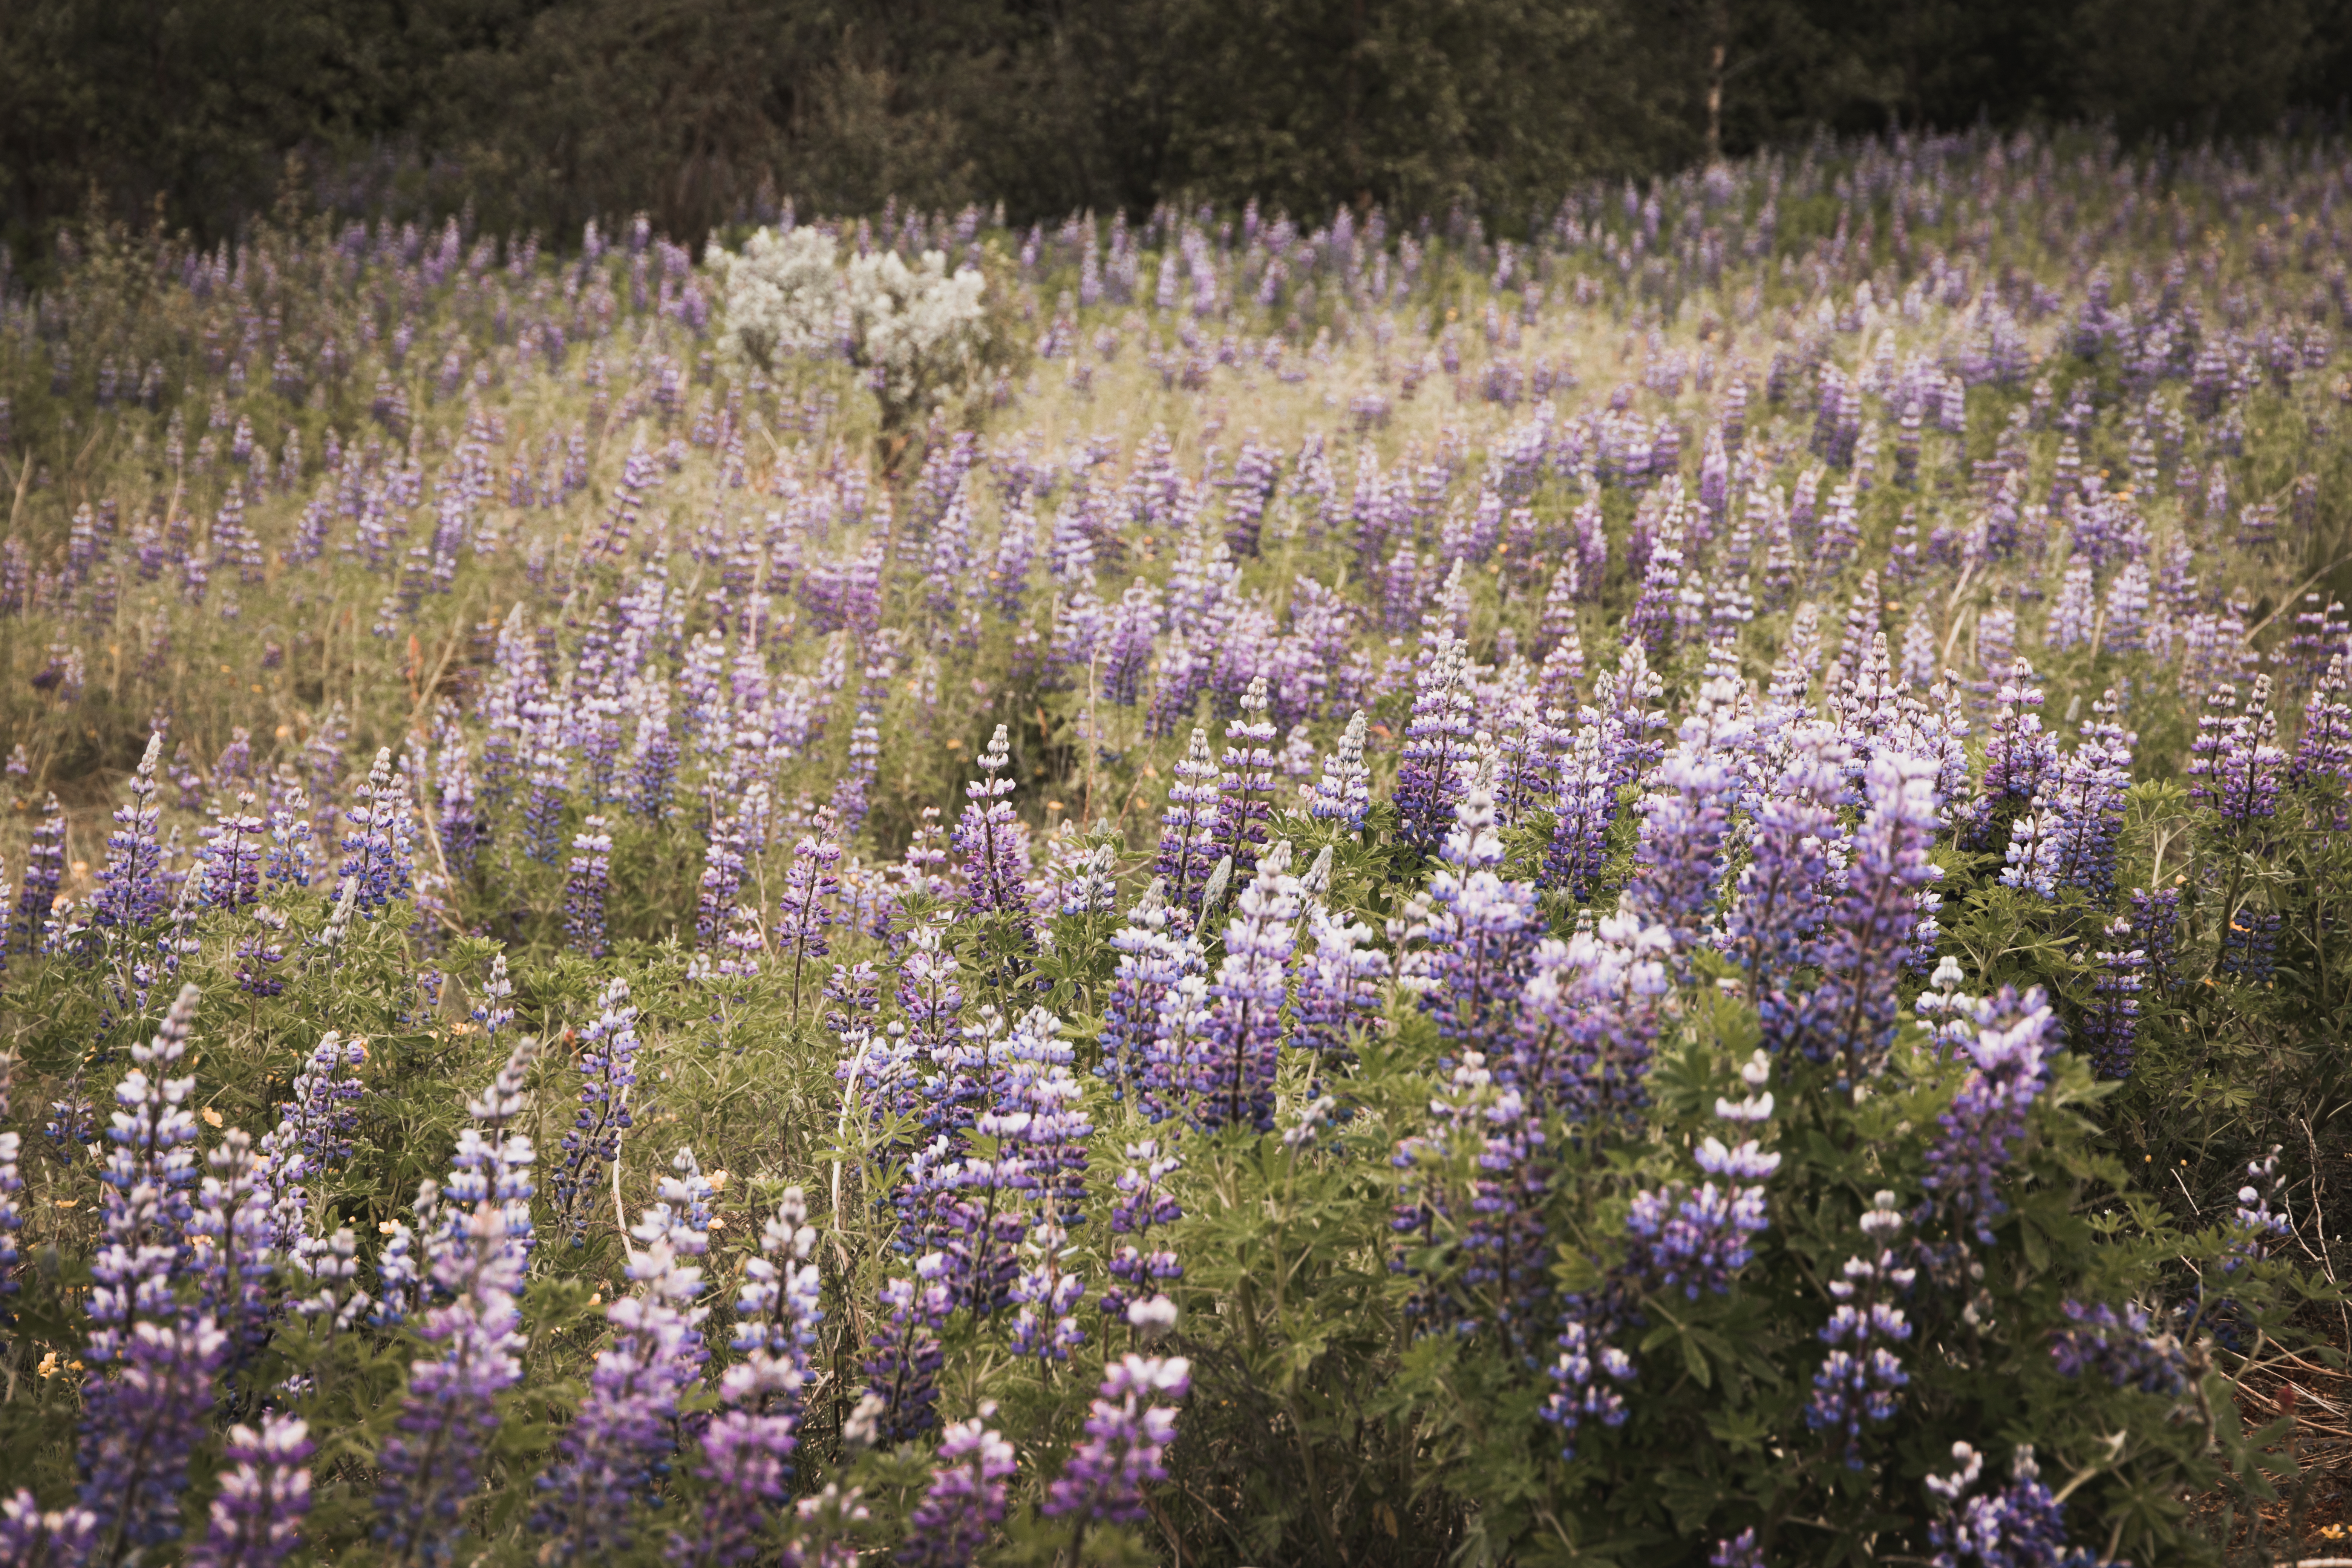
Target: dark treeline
[{"x": 541, "y": 113}]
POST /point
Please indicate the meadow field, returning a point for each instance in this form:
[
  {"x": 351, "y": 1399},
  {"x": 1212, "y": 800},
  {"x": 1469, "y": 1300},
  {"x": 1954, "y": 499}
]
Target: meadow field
[{"x": 1229, "y": 888}]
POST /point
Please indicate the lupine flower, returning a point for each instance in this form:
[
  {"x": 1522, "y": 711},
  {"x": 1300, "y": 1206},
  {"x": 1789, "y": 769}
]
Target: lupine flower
[
  {"x": 618, "y": 1445},
  {"x": 1436, "y": 752},
  {"x": 1144, "y": 1205},
  {"x": 1859, "y": 1379},
  {"x": 608, "y": 1053},
  {"x": 2122, "y": 1349},
  {"x": 586, "y": 882},
  {"x": 495, "y": 1011},
  {"x": 232, "y": 857},
  {"x": 722, "y": 881},
  {"x": 2259, "y": 1220},
  {"x": 1045, "y": 1328},
  {"x": 809, "y": 882},
  {"x": 12, "y": 1218},
  {"x": 130, "y": 889},
  {"x": 2021, "y": 1526},
  {"x": 1155, "y": 952},
  {"x": 1874, "y": 930},
  {"x": 1693, "y": 1239},
  {"x": 234, "y": 1238},
  {"x": 1128, "y": 1428},
  {"x": 1492, "y": 1258},
  {"x": 1245, "y": 783},
  {"x": 1188, "y": 827},
  {"x": 1343, "y": 793},
  {"x": 1232, "y": 1069},
  {"x": 2236, "y": 758},
  {"x": 2019, "y": 755},
  {"x": 1338, "y": 986},
  {"x": 2005, "y": 1046},
  {"x": 45, "y": 871},
  {"x": 380, "y": 843},
  {"x": 1465, "y": 949},
  {"x": 2113, "y": 1027},
  {"x": 429, "y": 1467},
  {"x": 292, "y": 846},
  {"x": 746, "y": 1462},
  {"x": 964, "y": 1503},
  {"x": 988, "y": 835},
  {"x": 903, "y": 1362},
  {"x": 1739, "y": 1551},
  {"x": 1580, "y": 1395},
  {"x": 1781, "y": 899},
  {"x": 265, "y": 1494},
  {"x": 1589, "y": 1018},
  {"x": 62, "y": 1538},
  {"x": 1678, "y": 861}
]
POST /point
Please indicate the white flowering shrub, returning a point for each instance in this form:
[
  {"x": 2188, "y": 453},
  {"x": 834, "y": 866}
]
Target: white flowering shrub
[{"x": 916, "y": 332}]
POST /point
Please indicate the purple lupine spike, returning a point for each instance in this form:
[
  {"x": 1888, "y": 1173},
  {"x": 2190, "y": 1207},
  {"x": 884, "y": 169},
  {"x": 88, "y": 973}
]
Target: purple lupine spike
[
  {"x": 746, "y": 1451},
  {"x": 1186, "y": 827},
  {"x": 1684, "y": 817},
  {"x": 722, "y": 879},
  {"x": 2326, "y": 750},
  {"x": 1489, "y": 1233},
  {"x": 1466, "y": 948},
  {"x": 1582, "y": 813},
  {"x": 1128, "y": 1428},
  {"x": 1232, "y": 1068},
  {"x": 850, "y": 795},
  {"x": 495, "y": 1011},
  {"x": 265, "y": 1496},
  {"x": 2237, "y": 760},
  {"x": 130, "y": 889},
  {"x": 146, "y": 1406},
  {"x": 29, "y": 1537},
  {"x": 902, "y": 1365},
  {"x": 1694, "y": 1240},
  {"x": 234, "y": 1246},
  {"x": 380, "y": 840},
  {"x": 1156, "y": 951},
  {"x": 1245, "y": 783},
  {"x": 429, "y": 1468},
  {"x": 2112, "y": 1029},
  {"x": 1343, "y": 794},
  {"x": 1045, "y": 1328},
  {"x": 805, "y": 913},
  {"x": 2022, "y": 1523},
  {"x": 2019, "y": 755},
  {"x": 12, "y": 1217},
  {"x": 1781, "y": 897},
  {"x": 1861, "y": 1378},
  {"x": 1431, "y": 767},
  {"x": 45, "y": 873},
  {"x": 293, "y": 855},
  {"x": 2120, "y": 1349},
  {"x": 1144, "y": 1205},
  {"x": 1038, "y": 1117},
  {"x": 313, "y": 1132},
  {"x": 989, "y": 835},
  {"x": 618, "y": 1445},
  {"x": 2006, "y": 1040},
  {"x": 608, "y": 1051},
  {"x": 964, "y": 1503},
  {"x": 1338, "y": 986},
  {"x": 587, "y": 880},
  {"x": 1875, "y": 927}
]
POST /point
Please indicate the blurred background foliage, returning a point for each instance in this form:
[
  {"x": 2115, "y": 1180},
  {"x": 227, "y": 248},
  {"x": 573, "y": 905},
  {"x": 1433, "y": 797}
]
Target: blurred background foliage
[{"x": 542, "y": 113}]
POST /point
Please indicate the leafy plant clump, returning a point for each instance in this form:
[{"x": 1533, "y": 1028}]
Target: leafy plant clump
[{"x": 1669, "y": 894}]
